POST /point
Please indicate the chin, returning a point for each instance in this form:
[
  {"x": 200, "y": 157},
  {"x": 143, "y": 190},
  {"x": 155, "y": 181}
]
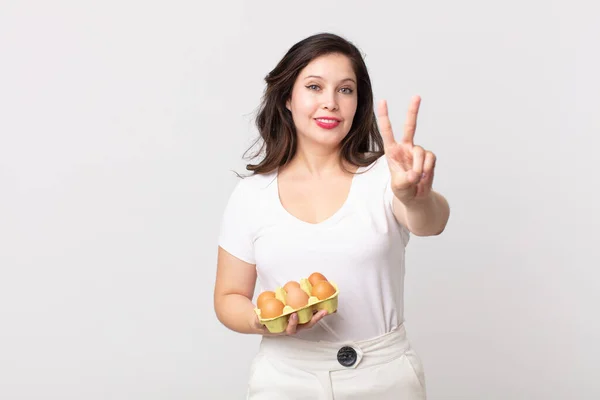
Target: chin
[
  {"x": 329, "y": 137},
  {"x": 324, "y": 138},
  {"x": 329, "y": 142}
]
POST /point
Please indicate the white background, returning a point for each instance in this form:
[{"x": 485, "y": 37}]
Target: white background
[{"x": 120, "y": 123}]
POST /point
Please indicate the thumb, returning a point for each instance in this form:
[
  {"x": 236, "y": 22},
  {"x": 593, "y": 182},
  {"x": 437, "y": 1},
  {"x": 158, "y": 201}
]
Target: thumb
[{"x": 292, "y": 324}]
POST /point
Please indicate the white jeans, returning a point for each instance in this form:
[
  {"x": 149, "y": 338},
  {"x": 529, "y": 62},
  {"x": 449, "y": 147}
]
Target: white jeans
[{"x": 381, "y": 368}]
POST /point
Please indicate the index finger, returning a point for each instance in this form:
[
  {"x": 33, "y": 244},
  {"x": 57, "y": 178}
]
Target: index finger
[
  {"x": 385, "y": 125},
  {"x": 410, "y": 126}
]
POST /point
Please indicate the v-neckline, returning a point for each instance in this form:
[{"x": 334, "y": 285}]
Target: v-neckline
[{"x": 327, "y": 221}]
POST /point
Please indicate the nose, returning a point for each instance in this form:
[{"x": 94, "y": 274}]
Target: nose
[{"x": 330, "y": 101}]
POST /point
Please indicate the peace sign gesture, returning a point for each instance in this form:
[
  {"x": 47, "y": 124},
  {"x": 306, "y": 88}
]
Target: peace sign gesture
[{"x": 411, "y": 166}]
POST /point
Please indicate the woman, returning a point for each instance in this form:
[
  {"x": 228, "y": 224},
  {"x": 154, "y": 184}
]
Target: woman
[{"x": 331, "y": 195}]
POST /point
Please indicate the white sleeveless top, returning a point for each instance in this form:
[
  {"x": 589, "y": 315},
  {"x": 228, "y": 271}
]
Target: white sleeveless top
[{"x": 360, "y": 248}]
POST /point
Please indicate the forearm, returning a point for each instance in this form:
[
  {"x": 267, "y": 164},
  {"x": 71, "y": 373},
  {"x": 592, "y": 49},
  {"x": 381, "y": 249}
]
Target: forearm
[
  {"x": 236, "y": 312},
  {"x": 427, "y": 216}
]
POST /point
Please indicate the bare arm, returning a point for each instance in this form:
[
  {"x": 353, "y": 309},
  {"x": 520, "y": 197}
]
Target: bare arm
[
  {"x": 422, "y": 210},
  {"x": 234, "y": 288},
  {"x": 425, "y": 216}
]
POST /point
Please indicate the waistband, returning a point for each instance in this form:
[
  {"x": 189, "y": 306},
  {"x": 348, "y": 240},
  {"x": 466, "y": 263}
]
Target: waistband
[{"x": 333, "y": 356}]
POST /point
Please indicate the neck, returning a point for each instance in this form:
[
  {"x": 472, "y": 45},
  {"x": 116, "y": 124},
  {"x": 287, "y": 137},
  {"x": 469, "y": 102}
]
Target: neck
[
  {"x": 317, "y": 165},
  {"x": 317, "y": 162}
]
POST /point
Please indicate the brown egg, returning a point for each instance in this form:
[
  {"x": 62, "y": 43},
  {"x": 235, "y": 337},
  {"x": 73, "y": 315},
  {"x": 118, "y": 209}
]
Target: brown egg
[
  {"x": 271, "y": 308},
  {"x": 296, "y": 298},
  {"x": 260, "y": 300},
  {"x": 290, "y": 284},
  {"x": 316, "y": 277},
  {"x": 322, "y": 290}
]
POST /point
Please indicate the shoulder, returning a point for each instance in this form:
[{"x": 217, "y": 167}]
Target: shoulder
[
  {"x": 376, "y": 178},
  {"x": 378, "y": 171},
  {"x": 247, "y": 201},
  {"x": 255, "y": 184},
  {"x": 248, "y": 190}
]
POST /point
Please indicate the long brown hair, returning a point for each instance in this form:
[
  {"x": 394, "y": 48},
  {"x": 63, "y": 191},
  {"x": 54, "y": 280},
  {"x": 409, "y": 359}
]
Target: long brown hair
[{"x": 277, "y": 132}]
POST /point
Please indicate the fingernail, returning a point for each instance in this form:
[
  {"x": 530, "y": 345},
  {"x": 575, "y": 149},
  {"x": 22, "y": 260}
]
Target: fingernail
[{"x": 294, "y": 317}]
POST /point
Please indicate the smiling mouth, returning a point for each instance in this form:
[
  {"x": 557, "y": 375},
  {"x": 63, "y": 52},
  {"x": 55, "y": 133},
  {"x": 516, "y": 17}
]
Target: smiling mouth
[{"x": 327, "y": 123}]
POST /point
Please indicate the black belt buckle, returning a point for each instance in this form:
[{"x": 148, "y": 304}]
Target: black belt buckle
[{"x": 346, "y": 356}]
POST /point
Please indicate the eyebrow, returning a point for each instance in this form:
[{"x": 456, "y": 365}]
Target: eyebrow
[{"x": 319, "y": 77}]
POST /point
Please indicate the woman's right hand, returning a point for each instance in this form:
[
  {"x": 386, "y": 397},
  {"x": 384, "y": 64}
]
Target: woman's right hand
[{"x": 292, "y": 328}]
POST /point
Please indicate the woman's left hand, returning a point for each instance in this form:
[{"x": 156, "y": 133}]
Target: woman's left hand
[{"x": 411, "y": 166}]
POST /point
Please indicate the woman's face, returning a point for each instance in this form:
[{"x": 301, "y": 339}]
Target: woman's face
[{"x": 324, "y": 100}]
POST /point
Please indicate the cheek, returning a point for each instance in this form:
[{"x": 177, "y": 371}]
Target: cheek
[
  {"x": 350, "y": 108},
  {"x": 305, "y": 105}
]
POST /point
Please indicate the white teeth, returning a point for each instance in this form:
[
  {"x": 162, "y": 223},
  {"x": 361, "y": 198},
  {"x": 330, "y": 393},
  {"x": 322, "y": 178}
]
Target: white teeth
[{"x": 327, "y": 121}]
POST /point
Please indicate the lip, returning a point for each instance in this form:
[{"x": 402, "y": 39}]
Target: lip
[
  {"x": 324, "y": 117},
  {"x": 327, "y": 125}
]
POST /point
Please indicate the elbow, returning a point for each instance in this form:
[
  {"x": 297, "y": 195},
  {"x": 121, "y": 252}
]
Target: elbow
[
  {"x": 221, "y": 313},
  {"x": 432, "y": 231},
  {"x": 439, "y": 231},
  {"x": 441, "y": 226},
  {"x": 218, "y": 300}
]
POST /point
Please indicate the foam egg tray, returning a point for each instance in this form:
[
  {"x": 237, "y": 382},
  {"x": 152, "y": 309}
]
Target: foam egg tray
[{"x": 279, "y": 323}]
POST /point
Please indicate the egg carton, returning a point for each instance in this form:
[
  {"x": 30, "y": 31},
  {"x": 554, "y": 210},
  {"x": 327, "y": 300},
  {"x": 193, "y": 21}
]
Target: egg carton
[{"x": 278, "y": 324}]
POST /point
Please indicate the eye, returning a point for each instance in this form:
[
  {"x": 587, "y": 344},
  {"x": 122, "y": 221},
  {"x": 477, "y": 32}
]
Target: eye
[
  {"x": 313, "y": 87},
  {"x": 346, "y": 90}
]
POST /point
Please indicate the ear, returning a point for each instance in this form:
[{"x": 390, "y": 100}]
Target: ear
[{"x": 288, "y": 105}]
